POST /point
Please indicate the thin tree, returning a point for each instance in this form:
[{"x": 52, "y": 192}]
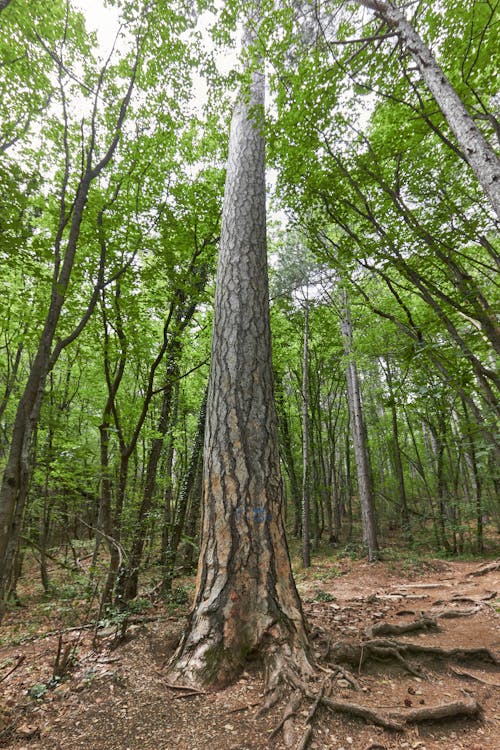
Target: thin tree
[
  {"x": 15, "y": 480},
  {"x": 474, "y": 146},
  {"x": 246, "y": 600},
  {"x": 361, "y": 455}
]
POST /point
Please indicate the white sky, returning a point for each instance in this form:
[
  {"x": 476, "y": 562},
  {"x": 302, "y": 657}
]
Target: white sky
[{"x": 103, "y": 20}]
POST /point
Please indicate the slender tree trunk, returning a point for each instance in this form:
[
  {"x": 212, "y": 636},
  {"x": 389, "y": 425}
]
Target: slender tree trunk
[
  {"x": 306, "y": 512},
  {"x": 129, "y": 578},
  {"x": 168, "y": 497},
  {"x": 14, "y": 487},
  {"x": 287, "y": 455},
  {"x": 474, "y": 146},
  {"x": 245, "y": 598},
  {"x": 359, "y": 438},
  {"x": 396, "y": 452},
  {"x": 193, "y": 516},
  {"x": 182, "y": 504},
  {"x": 476, "y": 484}
]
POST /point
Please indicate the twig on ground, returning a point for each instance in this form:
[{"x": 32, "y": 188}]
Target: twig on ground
[
  {"x": 469, "y": 676},
  {"x": 18, "y": 663},
  {"x": 187, "y": 688}
]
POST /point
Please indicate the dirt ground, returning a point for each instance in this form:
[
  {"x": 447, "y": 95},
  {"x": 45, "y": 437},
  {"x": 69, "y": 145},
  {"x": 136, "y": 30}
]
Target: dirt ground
[{"x": 117, "y": 697}]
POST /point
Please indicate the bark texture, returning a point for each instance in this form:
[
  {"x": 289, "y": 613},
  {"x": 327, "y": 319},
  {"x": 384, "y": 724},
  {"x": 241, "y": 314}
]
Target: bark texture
[
  {"x": 246, "y": 600},
  {"x": 361, "y": 455},
  {"x": 474, "y": 146}
]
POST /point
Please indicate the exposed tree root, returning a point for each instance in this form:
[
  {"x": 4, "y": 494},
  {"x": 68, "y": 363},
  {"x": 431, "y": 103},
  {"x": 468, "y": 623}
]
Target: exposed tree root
[
  {"x": 469, "y": 676},
  {"x": 286, "y": 723},
  {"x": 393, "y": 720},
  {"x": 379, "y": 650},
  {"x": 385, "y": 628},
  {"x": 386, "y": 650},
  {"x": 425, "y": 585},
  {"x": 449, "y": 614},
  {"x": 484, "y": 569},
  {"x": 362, "y": 712},
  {"x": 470, "y": 707},
  {"x": 304, "y": 740}
]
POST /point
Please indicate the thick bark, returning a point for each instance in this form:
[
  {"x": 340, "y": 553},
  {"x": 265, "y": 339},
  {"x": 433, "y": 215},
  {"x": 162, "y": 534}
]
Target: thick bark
[
  {"x": 245, "y": 600},
  {"x": 474, "y": 146},
  {"x": 359, "y": 438}
]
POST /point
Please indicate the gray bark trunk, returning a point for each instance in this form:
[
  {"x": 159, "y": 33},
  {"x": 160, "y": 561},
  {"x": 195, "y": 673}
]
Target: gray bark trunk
[
  {"x": 474, "y": 146},
  {"x": 306, "y": 515},
  {"x": 359, "y": 437},
  {"x": 245, "y": 598}
]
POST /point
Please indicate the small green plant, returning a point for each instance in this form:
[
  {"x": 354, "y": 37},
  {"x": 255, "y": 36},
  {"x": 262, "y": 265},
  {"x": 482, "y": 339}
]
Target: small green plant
[
  {"x": 323, "y": 596},
  {"x": 353, "y": 550},
  {"x": 179, "y": 596},
  {"x": 38, "y": 690}
]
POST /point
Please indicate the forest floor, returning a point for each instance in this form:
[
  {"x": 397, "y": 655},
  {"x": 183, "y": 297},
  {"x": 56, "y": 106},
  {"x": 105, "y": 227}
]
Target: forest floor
[{"x": 114, "y": 695}]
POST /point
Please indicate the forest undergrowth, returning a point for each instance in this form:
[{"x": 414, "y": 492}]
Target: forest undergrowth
[{"x": 406, "y": 653}]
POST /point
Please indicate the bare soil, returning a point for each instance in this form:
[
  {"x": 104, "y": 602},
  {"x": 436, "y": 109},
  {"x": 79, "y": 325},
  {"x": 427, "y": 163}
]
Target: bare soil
[{"x": 115, "y": 696}]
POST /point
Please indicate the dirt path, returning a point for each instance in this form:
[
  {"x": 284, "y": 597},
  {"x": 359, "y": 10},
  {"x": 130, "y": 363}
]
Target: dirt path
[{"x": 119, "y": 700}]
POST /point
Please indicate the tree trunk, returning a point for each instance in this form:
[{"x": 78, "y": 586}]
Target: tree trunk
[
  {"x": 359, "y": 437},
  {"x": 287, "y": 455},
  {"x": 396, "y": 452},
  {"x": 474, "y": 146},
  {"x": 181, "y": 509},
  {"x": 245, "y": 598},
  {"x": 14, "y": 488},
  {"x": 306, "y": 514}
]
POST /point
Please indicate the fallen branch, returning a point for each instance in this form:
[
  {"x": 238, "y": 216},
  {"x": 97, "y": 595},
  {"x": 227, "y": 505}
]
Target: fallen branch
[
  {"x": 18, "y": 663},
  {"x": 243, "y": 708},
  {"x": 187, "y": 688},
  {"x": 137, "y": 620},
  {"x": 470, "y": 676},
  {"x": 188, "y": 695}
]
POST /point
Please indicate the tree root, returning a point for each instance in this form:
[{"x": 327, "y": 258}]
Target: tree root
[
  {"x": 380, "y": 650},
  {"x": 470, "y": 707},
  {"x": 449, "y": 614},
  {"x": 286, "y": 723},
  {"x": 469, "y": 676},
  {"x": 395, "y": 721},
  {"x": 484, "y": 569},
  {"x": 425, "y": 622},
  {"x": 386, "y": 650},
  {"x": 362, "y": 712}
]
